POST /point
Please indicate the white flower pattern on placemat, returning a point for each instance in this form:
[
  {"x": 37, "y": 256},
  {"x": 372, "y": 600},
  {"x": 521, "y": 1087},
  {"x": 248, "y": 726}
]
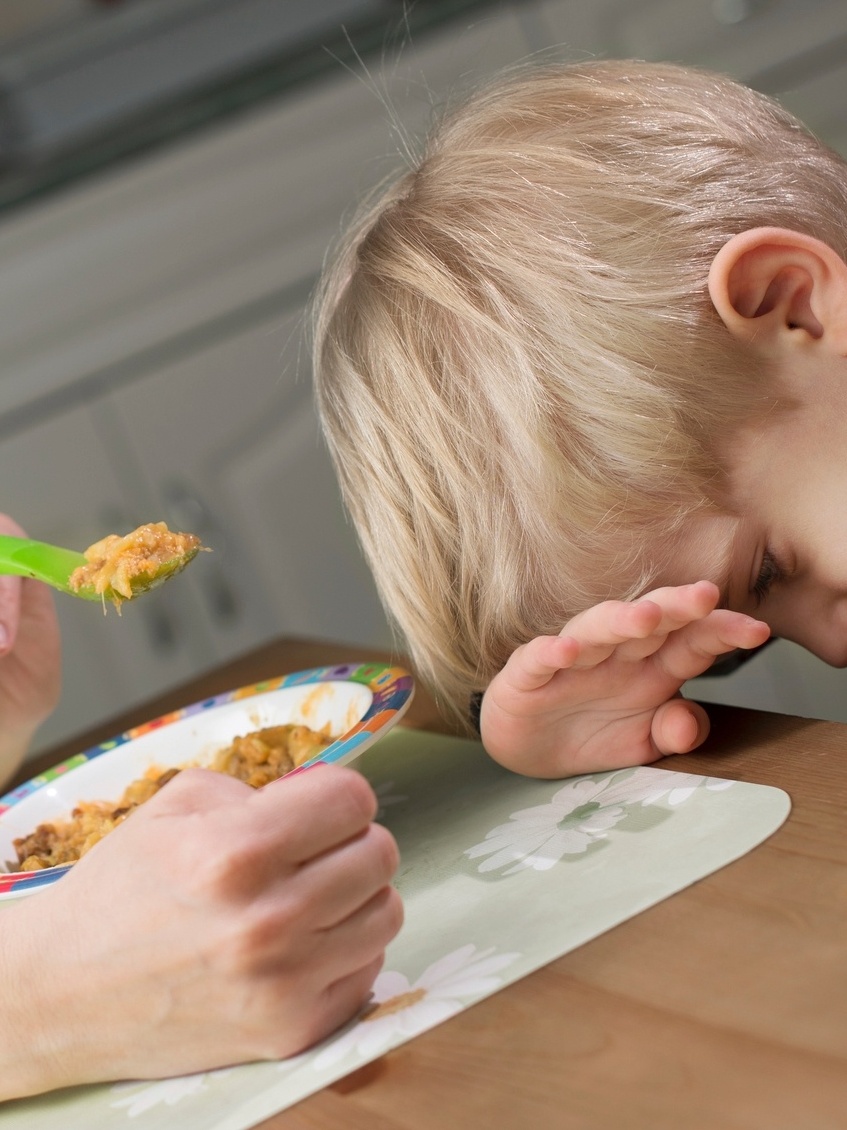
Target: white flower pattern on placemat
[
  {"x": 680, "y": 787},
  {"x": 578, "y": 815},
  {"x": 401, "y": 1009},
  {"x": 167, "y": 1091}
]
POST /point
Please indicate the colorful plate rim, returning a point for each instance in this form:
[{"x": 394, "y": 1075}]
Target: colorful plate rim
[{"x": 391, "y": 688}]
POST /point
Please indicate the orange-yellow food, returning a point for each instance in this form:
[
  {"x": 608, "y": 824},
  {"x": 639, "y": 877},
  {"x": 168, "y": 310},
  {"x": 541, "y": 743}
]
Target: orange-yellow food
[
  {"x": 119, "y": 566},
  {"x": 256, "y": 758},
  {"x": 66, "y": 841},
  {"x": 264, "y": 755}
]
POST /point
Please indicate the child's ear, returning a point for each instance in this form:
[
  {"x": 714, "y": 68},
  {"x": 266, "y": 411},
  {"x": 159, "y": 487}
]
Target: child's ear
[{"x": 773, "y": 287}]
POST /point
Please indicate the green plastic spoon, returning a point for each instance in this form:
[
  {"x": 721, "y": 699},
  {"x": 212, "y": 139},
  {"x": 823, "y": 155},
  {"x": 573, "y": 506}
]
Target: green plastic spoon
[{"x": 22, "y": 557}]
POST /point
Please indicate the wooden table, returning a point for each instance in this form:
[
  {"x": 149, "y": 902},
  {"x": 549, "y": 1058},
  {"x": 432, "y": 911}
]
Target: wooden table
[{"x": 722, "y": 1008}]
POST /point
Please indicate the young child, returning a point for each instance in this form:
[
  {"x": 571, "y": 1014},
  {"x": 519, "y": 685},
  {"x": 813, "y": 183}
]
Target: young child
[
  {"x": 583, "y": 375},
  {"x": 221, "y": 924}
]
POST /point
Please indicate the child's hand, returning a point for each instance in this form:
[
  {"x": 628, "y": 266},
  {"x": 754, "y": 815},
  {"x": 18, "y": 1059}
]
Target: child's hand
[
  {"x": 216, "y": 925},
  {"x": 604, "y": 693},
  {"x": 30, "y": 667}
]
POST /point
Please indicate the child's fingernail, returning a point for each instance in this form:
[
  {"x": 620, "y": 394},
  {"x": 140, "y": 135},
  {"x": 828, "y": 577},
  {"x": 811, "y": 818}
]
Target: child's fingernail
[{"x": 4, "y": 637}]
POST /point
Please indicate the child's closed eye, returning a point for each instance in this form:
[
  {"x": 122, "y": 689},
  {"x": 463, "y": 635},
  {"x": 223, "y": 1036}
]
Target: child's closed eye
[{"x": 769, "y": 573}]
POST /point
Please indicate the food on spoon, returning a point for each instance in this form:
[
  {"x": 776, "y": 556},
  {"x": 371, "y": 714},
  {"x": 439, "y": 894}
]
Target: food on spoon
[
  {"x": 255, "y": 758},
  {"x": 120, "y": 567}
]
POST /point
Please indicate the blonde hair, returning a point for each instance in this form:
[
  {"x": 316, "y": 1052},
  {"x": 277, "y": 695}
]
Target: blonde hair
[{"x": 520, "y": 375}]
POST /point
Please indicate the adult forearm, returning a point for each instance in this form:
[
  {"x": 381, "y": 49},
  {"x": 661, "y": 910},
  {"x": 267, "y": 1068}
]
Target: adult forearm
[{"x": 30, "y": 1021}]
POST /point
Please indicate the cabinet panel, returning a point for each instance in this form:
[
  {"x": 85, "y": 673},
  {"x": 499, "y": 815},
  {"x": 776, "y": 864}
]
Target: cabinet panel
[
  {"x": 741, "y": 37},
  {"x": 784, "y": 679},
  {"x": 149, "y": 250},
  {"x": 821, "y": 102},
  {"x": 227, "y": 441},
  {"x": 793, "y": 49}
]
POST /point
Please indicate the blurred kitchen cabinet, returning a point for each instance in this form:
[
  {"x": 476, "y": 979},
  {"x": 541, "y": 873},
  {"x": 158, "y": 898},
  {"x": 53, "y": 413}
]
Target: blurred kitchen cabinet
[
  {"x": 793, "y": 49},
  {"x": 225, "y": 443},
  {"x": 154, "y": 366},
  {"x": 741, "y": 37},
  {"x": 101, "y": 281}
]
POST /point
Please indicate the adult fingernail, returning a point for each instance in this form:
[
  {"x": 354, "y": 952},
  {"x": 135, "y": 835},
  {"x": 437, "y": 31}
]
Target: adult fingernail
[{"x": 4, "y": 637}]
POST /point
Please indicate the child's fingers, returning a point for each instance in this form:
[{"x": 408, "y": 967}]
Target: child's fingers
[
  {"x": 679, "y": 726},
  {"x": 600, "y": 631},
  {"x": 692, "y": 650},
  {"x": 634, "y": 630},
  {"x": 681, "y": 605},
  {"x": 532, "y": 665},
  {"x": 631, "y": 630},
  {"x": 686, "y": 601}
]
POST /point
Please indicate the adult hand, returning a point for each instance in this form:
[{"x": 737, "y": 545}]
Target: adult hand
[
  {"x": 217, "y": 925},
  {"x": 30, "y": 662}
]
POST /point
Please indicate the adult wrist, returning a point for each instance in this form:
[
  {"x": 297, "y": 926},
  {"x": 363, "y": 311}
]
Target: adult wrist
[{"x": 32, "y": 1020}]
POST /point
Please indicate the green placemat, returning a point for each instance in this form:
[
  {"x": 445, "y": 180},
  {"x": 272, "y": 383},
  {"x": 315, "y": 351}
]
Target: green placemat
[{"x": 500, "y": 875}]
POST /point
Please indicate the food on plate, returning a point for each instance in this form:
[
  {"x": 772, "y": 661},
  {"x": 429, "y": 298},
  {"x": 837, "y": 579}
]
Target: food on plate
[
  {"x": 263, "y": 755},
  {"x": 120, "y": 567},
  {"x": 256, "y": 758},
  {"x": 64, "y": 841}
]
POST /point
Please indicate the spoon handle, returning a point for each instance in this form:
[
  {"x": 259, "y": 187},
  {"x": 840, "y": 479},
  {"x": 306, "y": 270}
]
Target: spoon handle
[{"x": 22, "y": 557}]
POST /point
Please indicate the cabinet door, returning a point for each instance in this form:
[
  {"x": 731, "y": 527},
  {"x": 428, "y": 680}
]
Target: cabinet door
[
  {"x": 167, "y": 295},
  {"x": 225, "y": 442},
  {"x": 59, "y": 481},
  {"x": 746, "y": 38},
  {"x": 95, "y": 278}
]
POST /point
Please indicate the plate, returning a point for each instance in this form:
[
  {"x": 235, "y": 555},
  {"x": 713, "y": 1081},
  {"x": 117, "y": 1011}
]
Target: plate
[{"x": 361, "y": 702}]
